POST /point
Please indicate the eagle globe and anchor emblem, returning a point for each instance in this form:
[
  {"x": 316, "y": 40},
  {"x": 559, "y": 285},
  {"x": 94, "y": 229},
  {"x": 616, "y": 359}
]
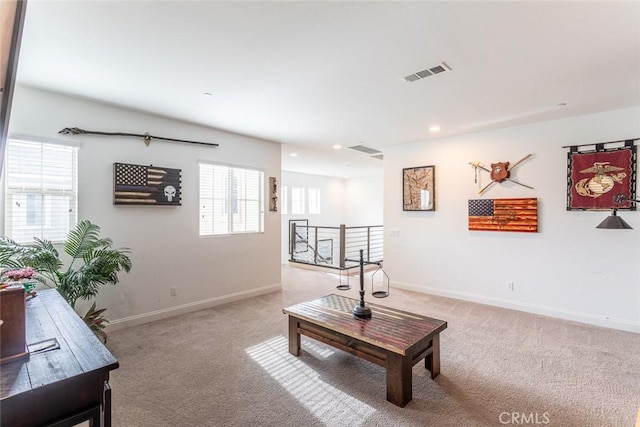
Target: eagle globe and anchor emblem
[
  {"x": 500, "y": 171},
  {"x": 604, "y": 179}
]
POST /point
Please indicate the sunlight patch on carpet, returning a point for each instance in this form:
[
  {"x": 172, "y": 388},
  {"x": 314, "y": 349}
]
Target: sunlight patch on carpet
[
  {"x": 322, "y": 352},
  {"x": 327, "y": 403}
]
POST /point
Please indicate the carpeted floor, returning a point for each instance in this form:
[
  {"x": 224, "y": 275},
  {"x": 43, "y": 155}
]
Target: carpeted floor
[{"x": 229, "y": 366}]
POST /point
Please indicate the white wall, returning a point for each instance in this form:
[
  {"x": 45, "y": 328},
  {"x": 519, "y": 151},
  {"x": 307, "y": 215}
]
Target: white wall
[
  {"x": 332, "y": 199},
  {"x": 353, "y": 202},
  {"x": 166, "y": 249},
  {"x": 364, "y": 201},
  {"x": 569, "y": 269}
]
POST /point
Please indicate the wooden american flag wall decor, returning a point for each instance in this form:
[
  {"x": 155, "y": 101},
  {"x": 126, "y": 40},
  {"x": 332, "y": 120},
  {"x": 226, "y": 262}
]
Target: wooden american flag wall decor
[
  {"x": 146, "y": 185},
  {"x": 504, "y": 215}
]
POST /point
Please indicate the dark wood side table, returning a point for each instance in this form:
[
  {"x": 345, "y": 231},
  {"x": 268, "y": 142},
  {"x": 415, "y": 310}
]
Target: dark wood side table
[{"x": 60, "y": 387}]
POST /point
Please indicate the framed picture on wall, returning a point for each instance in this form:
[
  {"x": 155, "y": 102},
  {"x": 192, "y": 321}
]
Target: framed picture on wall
[{"x": 419, "y": 188}]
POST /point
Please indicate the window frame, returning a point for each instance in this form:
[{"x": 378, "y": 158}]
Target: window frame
[
  {"x": 236, "y": 202},
  {"x": 314, "y": 197},
  {"x": 11, "y": 192},
  {"x": 298, "y": 205}
]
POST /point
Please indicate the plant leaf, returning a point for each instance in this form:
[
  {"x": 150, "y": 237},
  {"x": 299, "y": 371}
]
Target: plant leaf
[{"x": 81, "y": 239}]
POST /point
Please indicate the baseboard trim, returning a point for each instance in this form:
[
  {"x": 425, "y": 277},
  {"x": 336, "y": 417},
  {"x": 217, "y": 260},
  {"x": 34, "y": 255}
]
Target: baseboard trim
[
  {"x": 588, "y": 318},
  {"x": 164, "y": 313}
]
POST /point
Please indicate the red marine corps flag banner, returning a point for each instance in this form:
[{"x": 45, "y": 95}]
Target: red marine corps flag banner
[{"x": 595, "y": 177}]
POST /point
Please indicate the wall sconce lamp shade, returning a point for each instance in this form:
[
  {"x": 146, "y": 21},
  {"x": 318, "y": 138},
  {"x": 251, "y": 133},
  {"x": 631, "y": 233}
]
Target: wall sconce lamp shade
[{"x": 614, "y": 222}]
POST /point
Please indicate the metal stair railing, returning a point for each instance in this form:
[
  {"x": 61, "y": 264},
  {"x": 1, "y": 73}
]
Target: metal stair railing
[
  {"x": 310, "y": 255},
  {"x": 319, "y": 245}
]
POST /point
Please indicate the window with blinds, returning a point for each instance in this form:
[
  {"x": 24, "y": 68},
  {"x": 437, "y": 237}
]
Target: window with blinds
[
  {"x": 41, "y": 189},
  {"x": 297, "y": 200},
  {"x": 314, "y": 201},
  {"x": 231, "y": 200}
]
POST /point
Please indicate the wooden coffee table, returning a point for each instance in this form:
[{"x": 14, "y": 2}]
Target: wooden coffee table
[{"x": 393, "y": 339}]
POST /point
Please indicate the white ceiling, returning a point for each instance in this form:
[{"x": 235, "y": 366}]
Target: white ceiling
[{"x": 315, "y": 74}]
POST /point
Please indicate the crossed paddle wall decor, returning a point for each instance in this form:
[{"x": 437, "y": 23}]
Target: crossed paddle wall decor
[{"x": 499, "y": 172}]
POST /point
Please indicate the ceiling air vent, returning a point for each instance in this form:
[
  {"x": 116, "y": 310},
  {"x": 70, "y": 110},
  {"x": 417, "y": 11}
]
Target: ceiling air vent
[
  {"x": 365, "y": 149},
  {"x": 440, "y": 68},
  {"x": 424, "y": 73},
  {"x": 379, "y": 157}
]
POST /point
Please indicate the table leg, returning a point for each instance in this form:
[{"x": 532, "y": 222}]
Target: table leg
[
  {"x": 432, "y": 361},
  {"x": 399, "y": 385},
  {"x": 294, "y": 336},
  {"x": 107, "y": 404}
]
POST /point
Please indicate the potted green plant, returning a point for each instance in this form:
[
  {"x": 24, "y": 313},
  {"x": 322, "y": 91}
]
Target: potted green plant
[{"x": 93, "y": 263}]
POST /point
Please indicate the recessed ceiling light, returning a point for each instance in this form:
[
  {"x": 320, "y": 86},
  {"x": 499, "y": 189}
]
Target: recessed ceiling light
[
  {"x": 337, "y": 147},
  {"x": 293, "y": 154},
  {"x": 207, "y": 94},
  {"x": 434, "y": 128}
]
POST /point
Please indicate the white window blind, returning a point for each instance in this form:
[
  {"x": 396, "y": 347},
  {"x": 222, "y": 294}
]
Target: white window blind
[
  {"x": 231, "y": 200},
  {"x": 297, "y": 200},
  {"x": 41, "y": 189},
  {"x": 314, "y": 200}
]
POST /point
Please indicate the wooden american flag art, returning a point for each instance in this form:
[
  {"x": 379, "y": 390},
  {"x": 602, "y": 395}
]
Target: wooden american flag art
[
  {"x": 504, "y": 215},
  {"x": 146, "y": 185}
]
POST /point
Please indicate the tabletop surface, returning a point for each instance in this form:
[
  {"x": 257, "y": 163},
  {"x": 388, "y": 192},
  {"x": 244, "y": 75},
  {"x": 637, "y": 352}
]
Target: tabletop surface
[{"x": 389, "y": 328}]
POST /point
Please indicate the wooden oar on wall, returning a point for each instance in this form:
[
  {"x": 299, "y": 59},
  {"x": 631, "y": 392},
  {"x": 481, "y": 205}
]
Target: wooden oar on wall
[{"x": 146, "y": 137}]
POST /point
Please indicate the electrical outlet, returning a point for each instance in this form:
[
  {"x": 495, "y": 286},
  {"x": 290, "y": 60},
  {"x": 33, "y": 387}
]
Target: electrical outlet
[
  {"x": 510, "y": 286},
  {"x": 174, "y": 291}
]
